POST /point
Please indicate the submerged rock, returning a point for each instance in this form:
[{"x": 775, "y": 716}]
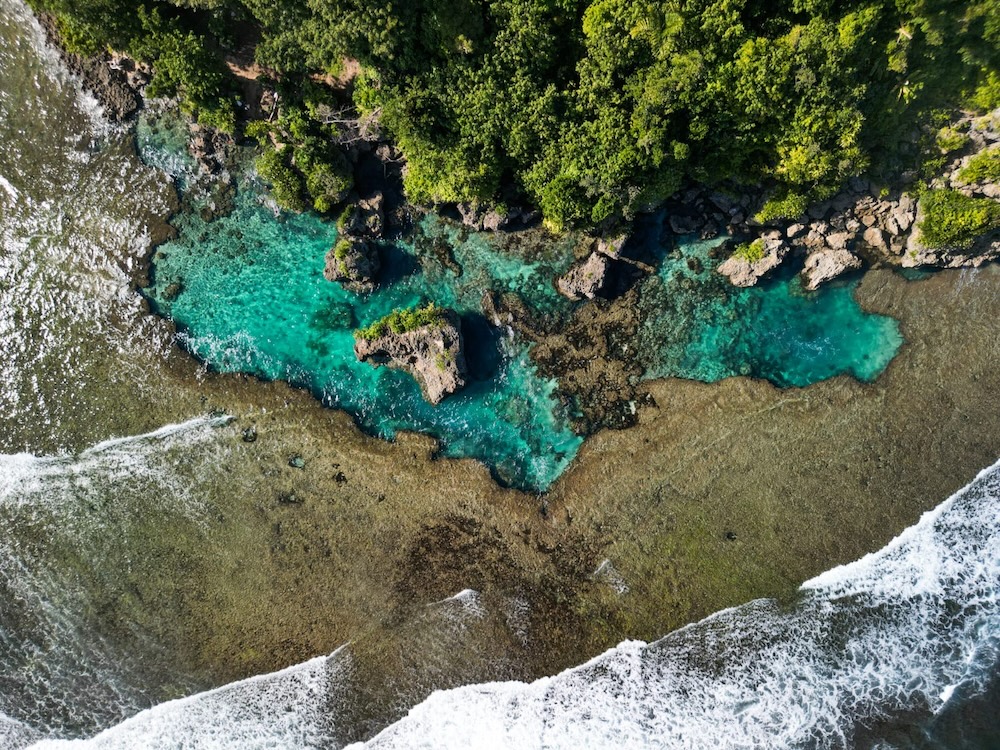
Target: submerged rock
[
  {"x": 432, "y": 353},
  {"x": 354, "y": 263}
]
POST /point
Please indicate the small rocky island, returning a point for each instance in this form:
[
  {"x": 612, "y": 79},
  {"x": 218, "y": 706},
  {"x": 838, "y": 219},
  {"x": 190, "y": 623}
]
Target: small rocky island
[{"x": 424, "y": 341}]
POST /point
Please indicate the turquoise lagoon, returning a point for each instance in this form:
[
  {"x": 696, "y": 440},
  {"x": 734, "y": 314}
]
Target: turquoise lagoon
[
  {"x": 696, "y": 325},
  {"x": 247, "y": 294}
]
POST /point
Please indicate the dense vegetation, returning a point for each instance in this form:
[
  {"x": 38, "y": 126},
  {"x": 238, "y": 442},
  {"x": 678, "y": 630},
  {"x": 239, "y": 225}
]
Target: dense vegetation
[
  {"x": 954, "y": 220},
  {"x": 983, "y": 167},
  {"x": 403, "y": 321},
  {"x": 590, "y": 109}
]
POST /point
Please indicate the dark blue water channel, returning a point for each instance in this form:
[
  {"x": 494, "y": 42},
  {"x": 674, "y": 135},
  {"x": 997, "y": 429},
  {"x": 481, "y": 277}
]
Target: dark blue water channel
[{"x": 248, "y": 295}]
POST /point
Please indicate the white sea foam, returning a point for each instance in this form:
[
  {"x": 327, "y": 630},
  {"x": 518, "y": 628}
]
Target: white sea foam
[
  {"x": 59, "y": 673},
  {"x": 897, "y": 631},
  {"x": 276, "y": 710},
  {"x": 8, "y": 188}
]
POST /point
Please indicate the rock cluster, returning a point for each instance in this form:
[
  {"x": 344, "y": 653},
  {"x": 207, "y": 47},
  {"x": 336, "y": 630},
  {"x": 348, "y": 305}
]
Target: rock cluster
[
  {"x": 354, "y": 260},
  {"x": 833, "y": 236},
  {"x": 865, "y": 221},
  {"x": 482, "y": 218},
  {"x": 588, "y": 277},
  {"x": 210, "y": 148},
  {"x": 432, "y": 354}
]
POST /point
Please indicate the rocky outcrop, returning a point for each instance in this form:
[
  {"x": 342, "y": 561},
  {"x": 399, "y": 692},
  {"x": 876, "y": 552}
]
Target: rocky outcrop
[
  {"x": 585, "y": 279},
  {"x": 750, "y": 263},
  {"x": 917, "y": 254},
  {"x": 864, "y": 222},
  {"x": 114, "y": 80},
  {"x": 828, "y": 263},
  {"x": 364, "y": 218},
  {"x": 985, "y": 249},
  {"x": 210, "y": 148},
  {"x": 431, "y": 353},
  {"x": 353, "y": 262},
  {"x": 490, "y": 219}
]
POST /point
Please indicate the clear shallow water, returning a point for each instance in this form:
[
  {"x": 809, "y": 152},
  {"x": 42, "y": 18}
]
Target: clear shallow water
[
  {"x": 252, "y": 298},
  {"x": 897, "y": 650},
  {"x": 699, "y": 326},
  {"x": 248, "y": 295}
]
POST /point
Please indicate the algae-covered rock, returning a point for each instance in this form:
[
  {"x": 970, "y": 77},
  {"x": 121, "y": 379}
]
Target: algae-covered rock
[{"x": 353, "y": 262}]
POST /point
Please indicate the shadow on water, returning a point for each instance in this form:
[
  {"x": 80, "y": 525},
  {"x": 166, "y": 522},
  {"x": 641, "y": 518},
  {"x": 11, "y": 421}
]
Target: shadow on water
[
  {"x": 397, "y": 264},
  {"x": 482, "y": 346}
]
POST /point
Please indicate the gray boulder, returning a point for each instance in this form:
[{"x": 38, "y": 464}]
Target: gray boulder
[
  {"x": 828, "y": 263},
  {"x": 585, "y": 279},
  {"x": 365, "y": 218}
]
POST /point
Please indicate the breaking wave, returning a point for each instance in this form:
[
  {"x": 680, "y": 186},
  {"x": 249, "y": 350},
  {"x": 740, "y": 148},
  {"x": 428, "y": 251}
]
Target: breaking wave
[
  {"x": 60, "y": 517},
  {"x": 869, "y": 651}
]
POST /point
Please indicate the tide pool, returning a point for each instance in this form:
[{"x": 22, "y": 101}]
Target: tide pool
[
  {"x": 247, "y": 293},
  {"x": 696, "y": 325}
]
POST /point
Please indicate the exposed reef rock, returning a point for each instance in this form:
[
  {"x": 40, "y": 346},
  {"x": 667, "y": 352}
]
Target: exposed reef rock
[
  {"x": 750, "y": 264},
  {"x": 353, "y": 262},
  {"x": 482, "y": 218},
  {"x": 432, "y": 353},
  {"x": 828, "y": 263},
  {"x": 211, "y": 149},
  {"x": 984, "y": 249},
  {"x": 585, "y": 279},
  {"x": 365, "y": 218}
]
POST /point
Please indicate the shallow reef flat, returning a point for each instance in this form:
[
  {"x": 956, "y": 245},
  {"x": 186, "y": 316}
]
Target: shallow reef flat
[{"x": 722, "y": 493}]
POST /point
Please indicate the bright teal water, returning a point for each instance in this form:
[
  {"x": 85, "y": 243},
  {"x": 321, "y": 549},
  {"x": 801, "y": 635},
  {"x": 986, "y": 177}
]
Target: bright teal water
[
  {"x": 248, "y": 295},
  {"x": 698, "y": 326},
  {"x": 252, "y": 298}
]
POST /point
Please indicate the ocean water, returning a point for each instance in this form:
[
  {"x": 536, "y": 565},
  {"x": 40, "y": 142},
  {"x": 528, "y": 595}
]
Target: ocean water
[
  {"x": 898, "y": 650},
  {"x": 71, "y": 537}
]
